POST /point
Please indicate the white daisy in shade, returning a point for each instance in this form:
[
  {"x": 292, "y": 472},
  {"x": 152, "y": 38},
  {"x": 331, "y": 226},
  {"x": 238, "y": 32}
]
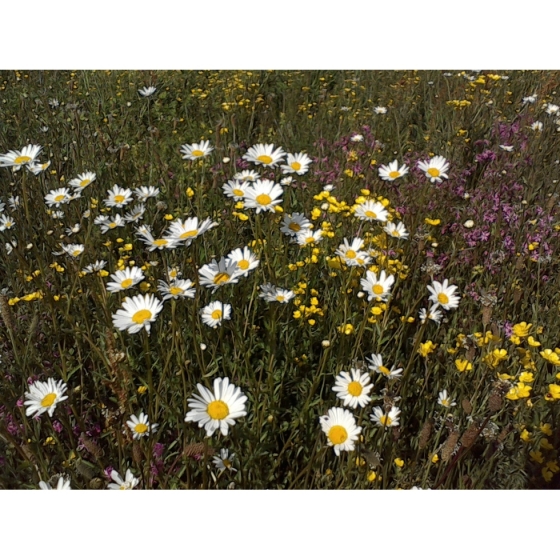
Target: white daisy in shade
[
  {"x": 396, "y": 230},
  {"x": 392, "y": 171},
  {"x": 235, "y": 189},
  {"x": 245, "y": 259},
  {"x": 37, "y": 168},
  {"x": 143, "y": 193},
  {"x": 6, "y": 222},
  {"x": 140, "y": 426},
  {"x": 263, "y": 195},
  {"x": 386, "y": 419},
  {"x": 265, "y": 154},
  {"x": 444, "y": 295},
  {"x": 353, "y": 388},
  {"x": 129, "y": 482},
  {"x": 109, "y": 222},
  {"x": 125, "y": 279},
  {"x": 176, "y": 289},
  {"x": 83, "y": 180},
  {"x": 147, "y": 91},
  {"x": 215, "y": 312},
  {"x": 17, "y": 158},
  {"x": 43, "y": 396},
  {"x": 272, "y": 293},
  {"x": 370, "y": 211},
  {"x": 435, "y": 169},
  {"x": 118, "y": 197},
  {"x": 196, "y": 151},
  {"x": 187, "y": 230},
  {"x": 379, "y": 288},
  {"x": 294, "y": 224},
  {"x": 433, "y": 314},
  {"x": 62, "y": 484},
  {"x": 351, "y": 253},
  {"x": 224, "y": 461},
  {"x": 137, "y": 313},
  {"x": 296, "y": 163},
  {"x": 376, "y": 364},
  {"x": 57, "y": 197},
  {"x": 246, "y": 175},
  {"x": 444, "y": 400},
  {"x": 135, "y": 213},
  {"x": 217, "y": 410},
  {"x": 217, "y": 274},
  {"x": 340, "y": 428},
  {"x": 308, "y": 237}
]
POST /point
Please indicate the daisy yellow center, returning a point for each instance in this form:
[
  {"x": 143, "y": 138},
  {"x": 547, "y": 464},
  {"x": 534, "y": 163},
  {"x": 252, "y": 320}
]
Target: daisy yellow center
[
  {"x": 141, "y": 428},
  {"x": 294, "y": 227},
  {"x": 221, "y": 278},
  {"x": 395, "y": 233},
  {"x": 76, "y": 252},
  {"x": 377, "y": 289},
  {"x": 48, "y": 400},
  {"x": 243, "y": 264},
  {"x": 216, "y": 314},
  {"x": 355, "y": 388},
  {"x": 126, "y": 283},
  {"x": 8, "y": 224},
  {"x": 59, "y": 197},
  {"x": 238, "y": 192},
  {"x": 267, "y": 160},
  {"x": 175, "y": 290},
  {"x": 370, "y": 214},
  {"x": 280, "y": 298},
  {"x": 445, "y": 402},
  {"x": 350, "y": 254},
  {"x": 217, "y": 410},
  {"x": 309, "y": 239},
  {"x": 160, "y": 242},
  {"x": 84, "y": 183},
  {"x": 338, "y": 435},
  {"x": 385, "y": 420},
  {"x": 197, "y": 153},
  {"x": 394, "y": 174},
  {"x": 112, "y": 225},
  {"x": 21, "y": 159},
  {"x": 140, "y": 316},
  {"x": 119, "y": 198},
  {"x": 433, "y": 172},
  {"x": 296, "y": 166},
  {"x": 443, "y": 299},
  {"x": 192, "y": 233},
  {"x": 264, "y": 199},
  {"x": 227, "y": 463},
  {"x": 384, "y": 370}
]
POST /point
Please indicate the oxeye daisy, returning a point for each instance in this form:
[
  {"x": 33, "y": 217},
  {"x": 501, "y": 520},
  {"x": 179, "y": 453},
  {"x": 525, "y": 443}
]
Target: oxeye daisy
[
  {"x": 176, "y": 289},
  {"x": 160, "y": 243},
  {"x": 44, "y": 396},
  {"x": 17, "y": 158},
  {"x": 37, "y": 168},
  {"x": 196, "y": 151},
  {"x": 95, "y": 267},
  {"x": 435, "y": 169},
  {"x": 224, "y": 461},
  {"x": 272, "y": 293},
  {"x": 376, "y": 364},
  {"x": 340, "y": 428},
  {"x": 263, "y": 195},
  {"x": 143, "y": 193},
  {"x": 216, "y": 312},
  {"x": 386, "y": 419},
  {"x": 118, "y": 197},
  {"x": 353, "y": 387},
  {"x": 433, "y": 314},
  {"x": 109, "y": 222},
  {"x": 73, "y": 250},
  {"x": 187, "y": 230},
  {"x": 264, "y": 154},
  {"x": 57, "y": 197},
  {"x": 379, "y": 288},
  {"x": 125, "y": 279},
  {"x": 83, "y": 180},
  {"x": 217, "y": 274},
  {"x": 444, "y": 295},
  {"x": 444, "y": 400},
  {"x": 308, "y": 237},
  {"x": 62, "y": 484},
  {"x": 351, "y": 253},
  {"x": 140, "y": 426},
  {"x": 235, "y": 189},
  {"x": 294, "y": 224},
  {"x": 217, "y": 410},
  {"x": 296, "y": 163},
  {"x": 6, "y": 222},
  {"x": 246, "y": 175},
  {"x": 392, "y": 171},
  {"x": 396, "y": 230},
  {"x": 129, "y": 482},
  {"x": 137, "y": 313},
  {"x": 245, "y": 259},
  {"x": 370, "y": 211},
  {"x": 147, "y": 91}
]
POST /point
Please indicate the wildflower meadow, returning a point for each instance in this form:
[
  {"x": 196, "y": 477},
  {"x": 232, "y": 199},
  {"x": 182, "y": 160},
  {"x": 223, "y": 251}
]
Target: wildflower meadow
[{"x": 279, "y": 279}]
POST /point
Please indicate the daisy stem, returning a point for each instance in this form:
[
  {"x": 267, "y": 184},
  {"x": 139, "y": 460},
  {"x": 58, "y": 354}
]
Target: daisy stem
[
  {"x": 25, "y": 197},
  {"x": 148, "y": 358}
]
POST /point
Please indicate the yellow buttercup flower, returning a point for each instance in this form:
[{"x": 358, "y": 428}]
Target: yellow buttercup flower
[
  {"x": 551, "y": 357},
  {"x": 431, "y": 222},
  {"x": 426, "y": 348},
  {"x": 463, "y": 365},
  {"x": 522, "y": 329},
  {"x": 532, "y": 342}
]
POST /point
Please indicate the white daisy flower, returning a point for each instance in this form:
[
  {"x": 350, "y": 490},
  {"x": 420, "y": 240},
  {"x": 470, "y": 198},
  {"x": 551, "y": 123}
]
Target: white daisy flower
[
  {"x": 444, "y": 400},
  {"x": 57, "y": 197},
  {"x": 109, "y": 222},
  {"x": 72, "y": 230},
  {"x": 44, "y": 396},
  {"x": 128, "y": 483},
  {"x": 435, "y": 169},
  {"x": 380, "y": 110},
  {"x": 274, "y": 294},
  {"x": 217, "y": 410},
  {"x": 506, "y": 148},
  {"x": 196, "y": 151},
  {"x": 217, "y": 274},
  {"x": 294, "y": 224},
  {"x": 353, "y": 388},
  {"x": 357, "y": 138},
  {"x": 263, "y": 195},
  {"x": 340, "y": 428},
  {"x": 37, "y": 168},
  {"x": 371, "y": 211},
  {"x": 174, "y": 273},
  {"x": 392, "y": 171},
  {"x": 552, "y": 109},
  {"x": 147, "y": 91},
  {"x": 308, "y": 237},
  {"x": 152, "y": 243},
  {"x": 224, "y": 461},
  {"x": 235, "y": 189},
  {"x": 433, "y": 314},
  {"x": 14, "y": 202},
  {"x": 215, "y": 312},
  {"x": 396, "y": 230},
  {"x": 176, "y": 289},
  {"x": 6, "y": 222},
  {"x": 140, "y": 426},
  {"x": 296, "y": 163},
  {"x": 137, "y": 313},
  {"x": 73, "y": 250},
  {"x": 245, "y": 259},
  {"x": 62, "y": 484},
  {"x": 95, "y": 267},
  {"x": 187, "y": 230},
  {"x": 83, "y": 180},
  {"x": 143, "y": 193},
  {"x": 376, "y": 364},
  {"x": 118, "y": 197},
  {"x": 286, "y": 181},
  {"x": 246, "y": 175},
  {"x": 125, "y": 279},
  {"x": 351, "y": 254},
  {"x": 265, "y": 154},
  {"x": 529, "y": 99},
  {"x": 386, "y": 419},
  {"x": 18, "y": 158},
  {"x": 379, "y": 288},
  {"x": 444, "y": 295}
]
